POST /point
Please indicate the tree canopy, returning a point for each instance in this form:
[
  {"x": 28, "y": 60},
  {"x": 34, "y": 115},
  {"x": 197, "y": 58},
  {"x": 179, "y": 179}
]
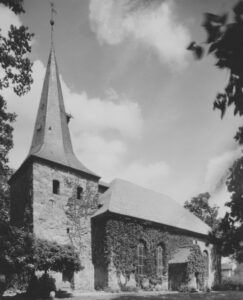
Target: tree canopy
[
  {"x": 225, "y": 43},
  {"x": 16, "y": 71},
  {"x": 200, "y": 207},
  {"x": 52, "y": 256}
]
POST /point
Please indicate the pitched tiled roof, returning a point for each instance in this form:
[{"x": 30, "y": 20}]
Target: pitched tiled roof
[{"x": 129, "y": 199}]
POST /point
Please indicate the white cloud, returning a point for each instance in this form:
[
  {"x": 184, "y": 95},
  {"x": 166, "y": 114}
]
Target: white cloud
[
  {"x": 107, "y": 155},
  {"x": 218, "y": 169},
  {"x": 98, "y": 115},
  {"x": 215, "y": 179},
  {"x": 92, "y": 118},
  {"x": 154, "y": 26},
  {"x": 150, "y": 175},
  {"x": 7, "y": 17},
  {"x": 101, "y": 155}
]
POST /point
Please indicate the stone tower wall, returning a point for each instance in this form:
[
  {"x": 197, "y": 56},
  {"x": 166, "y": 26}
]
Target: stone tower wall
[{"x": 64, "y": 218}]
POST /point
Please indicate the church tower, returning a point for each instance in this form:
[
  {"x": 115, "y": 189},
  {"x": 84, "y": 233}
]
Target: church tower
[{"x": 53, "y": 194}]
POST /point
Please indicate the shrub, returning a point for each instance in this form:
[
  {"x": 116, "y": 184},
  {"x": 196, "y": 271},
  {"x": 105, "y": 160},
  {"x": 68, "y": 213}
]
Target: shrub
[
  {"x": 184, "y": 288},
  {"x": 52, "y": 256},
  {"x": 231, "y": 283},
  {"x": 129, "y": 289}
]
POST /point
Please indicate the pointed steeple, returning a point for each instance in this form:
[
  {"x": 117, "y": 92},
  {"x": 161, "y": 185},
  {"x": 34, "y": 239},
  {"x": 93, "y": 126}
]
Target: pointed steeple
[{"x": 51, "y": 139}]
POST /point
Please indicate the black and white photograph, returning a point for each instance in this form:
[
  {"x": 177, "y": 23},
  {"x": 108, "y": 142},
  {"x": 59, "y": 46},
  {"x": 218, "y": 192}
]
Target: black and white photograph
[{"x": 121, "y": 149}]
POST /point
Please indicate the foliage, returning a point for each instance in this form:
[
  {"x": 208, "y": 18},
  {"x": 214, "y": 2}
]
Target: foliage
[
  {"x": 4, "y": 196},
  {"x": 200, "y": 207},
  {"x": 78, "y": 212},
  {"x": 229, "y": 236},
  {"x": 52, "y": 256},
  {"x": 197, "y": 263},
  {"x": 224, "y": 41},
  {"x": 15, "y": 249},
  {"x": 16, "y": 70},
  {"x": 235, "y": 187},
  {"x": 115, "y": 242},
  {"x": 231, "y": 283}
]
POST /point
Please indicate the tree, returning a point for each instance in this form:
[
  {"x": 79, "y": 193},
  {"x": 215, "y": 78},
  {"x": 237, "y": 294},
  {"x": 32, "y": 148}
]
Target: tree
[
  {"x": 16, "y": 68},
  {"x": 225, "y": 43},
  {"x": 15, "y": 73},
  {"x": 16, "y": 253},
  {"x": 52, "y": 256},
  {"x": 200, "y": 207}
]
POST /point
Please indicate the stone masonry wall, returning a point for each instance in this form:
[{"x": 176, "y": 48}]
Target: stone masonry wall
[
  {"x": 117, "y": 238},
  {"x": 64, "y": 218}
]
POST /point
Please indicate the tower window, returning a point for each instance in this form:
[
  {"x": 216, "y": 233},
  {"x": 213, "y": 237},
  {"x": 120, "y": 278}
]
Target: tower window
[
  {"x": 79, "y": 192},
  {"x": 56, "y": 187}
]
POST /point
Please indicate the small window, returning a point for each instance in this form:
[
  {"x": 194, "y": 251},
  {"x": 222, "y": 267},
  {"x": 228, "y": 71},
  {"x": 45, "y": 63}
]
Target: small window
[
  {"x": 56, "y": 187},
  {"x": 79, "y": 192},
  {"x": 141, "y": 258}
]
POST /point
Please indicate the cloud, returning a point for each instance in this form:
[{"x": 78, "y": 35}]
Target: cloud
[
  {"x": 7, "y": 17},
  {"x": 150, "y": 175},
  {"x": 152, "y": 25},
  {"x": 218, "y": 169},
  {"x": 93, "y": 118},
  {"x": 97, "y": 115},
  {"x": 215, "y": 179},
  {"x": 103, "y": 156},
  {"x": 107, "y": 155}
]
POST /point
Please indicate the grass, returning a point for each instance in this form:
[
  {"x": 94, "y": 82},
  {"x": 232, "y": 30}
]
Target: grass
[{"x": 223, "y": 295}]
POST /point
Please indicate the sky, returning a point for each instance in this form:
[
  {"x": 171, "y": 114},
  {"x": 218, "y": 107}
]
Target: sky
[{"x": 142, "y": 106}]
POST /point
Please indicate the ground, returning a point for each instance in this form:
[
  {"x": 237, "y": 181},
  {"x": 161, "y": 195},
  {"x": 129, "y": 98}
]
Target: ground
[{"x": 224, "y": 295}]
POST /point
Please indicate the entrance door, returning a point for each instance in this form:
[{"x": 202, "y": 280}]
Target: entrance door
[{"x": 177, "y": 276}]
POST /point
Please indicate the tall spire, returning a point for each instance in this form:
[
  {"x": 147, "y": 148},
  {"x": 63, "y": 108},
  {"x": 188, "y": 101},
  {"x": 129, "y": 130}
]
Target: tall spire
[{"x": 51, "y": 138}]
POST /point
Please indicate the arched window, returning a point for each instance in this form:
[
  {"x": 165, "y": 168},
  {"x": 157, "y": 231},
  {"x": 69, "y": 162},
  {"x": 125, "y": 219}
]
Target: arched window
[
  {"x": 141, "y": 258},
  {"x": 79, "y": 192},
  {"x": 206, "y": 259},
  {"x": 56, "y": 187},
  {"x": 159, "y": 261}
]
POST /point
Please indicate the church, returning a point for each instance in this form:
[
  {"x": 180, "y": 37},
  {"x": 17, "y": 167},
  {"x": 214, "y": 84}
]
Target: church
[{"x": 126, "y": 236}]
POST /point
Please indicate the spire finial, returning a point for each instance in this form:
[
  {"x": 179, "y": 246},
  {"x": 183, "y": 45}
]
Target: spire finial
[{"x": 53, "y": 10}]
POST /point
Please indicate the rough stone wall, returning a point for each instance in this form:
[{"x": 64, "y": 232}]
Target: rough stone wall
[
  {"x": 21, "y": 193},
  {"x": 64, "y": 218},
  {"x": 121, "y": 236}
]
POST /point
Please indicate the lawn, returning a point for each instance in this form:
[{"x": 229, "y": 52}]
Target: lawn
[{"x": 226, "y": 295}]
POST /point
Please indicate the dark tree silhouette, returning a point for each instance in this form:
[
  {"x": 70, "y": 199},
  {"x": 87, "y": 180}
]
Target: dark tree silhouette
[
  {"x": 225, "y": 43},
  {"x": 200, "y": 207},
  {"x": 16, "y": 68}
]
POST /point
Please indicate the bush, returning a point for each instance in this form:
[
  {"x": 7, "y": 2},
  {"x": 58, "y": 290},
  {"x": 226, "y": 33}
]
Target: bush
[
  {"x": 41, "y": 287},
  {"x": 184, "y": 288},
  {"x": 130, "y": 289},
  {"x": 52, "y": 256},
  {"x": 231, "y": 283}
]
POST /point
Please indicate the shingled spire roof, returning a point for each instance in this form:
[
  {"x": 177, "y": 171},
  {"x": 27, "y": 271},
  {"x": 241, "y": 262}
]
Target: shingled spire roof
[{"x": 51, "y": 139}]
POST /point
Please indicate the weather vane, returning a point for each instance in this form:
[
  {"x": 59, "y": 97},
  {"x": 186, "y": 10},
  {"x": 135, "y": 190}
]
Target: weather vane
[{"x": 53, "y": 11}]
